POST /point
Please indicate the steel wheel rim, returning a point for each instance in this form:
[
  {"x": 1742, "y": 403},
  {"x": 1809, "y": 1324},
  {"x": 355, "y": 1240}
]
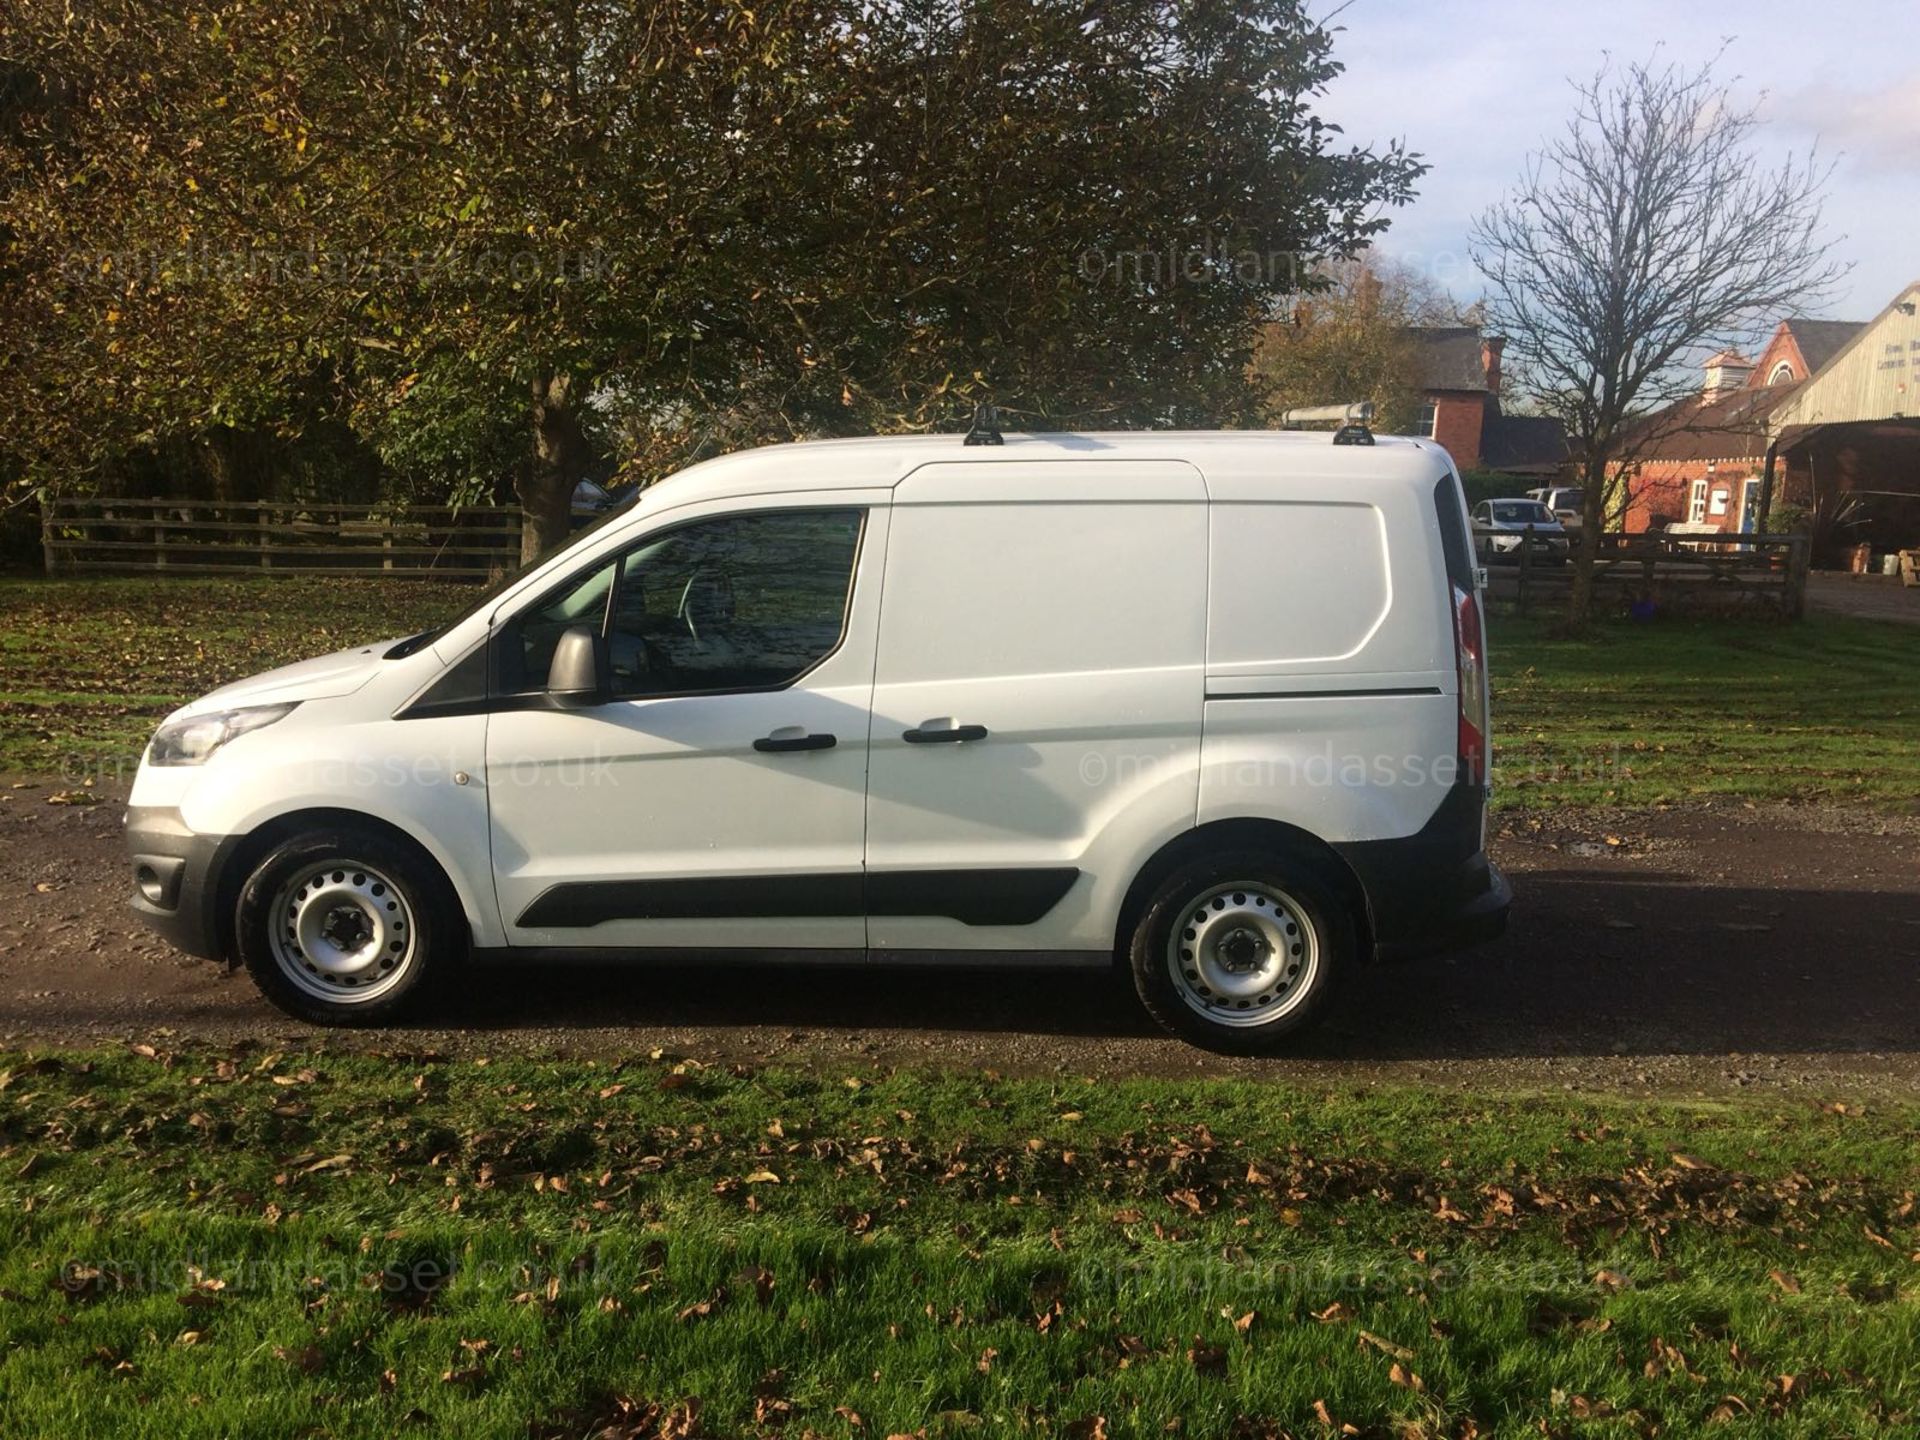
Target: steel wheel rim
[
  {"x": 343, "y": 932},
  {"x": 1243, "y": 955}
]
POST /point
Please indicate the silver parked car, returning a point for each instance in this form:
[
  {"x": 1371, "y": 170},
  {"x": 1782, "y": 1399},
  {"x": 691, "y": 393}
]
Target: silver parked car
[
  {"x": 1566, "y": 502},
  {"x": 1500, "y": 529}
]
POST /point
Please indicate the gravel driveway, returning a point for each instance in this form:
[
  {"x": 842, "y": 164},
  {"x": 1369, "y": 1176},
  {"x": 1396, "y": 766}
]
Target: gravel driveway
[
  {"x": 1867, "y": 597},
  {"x": 1703, "y": 949}
]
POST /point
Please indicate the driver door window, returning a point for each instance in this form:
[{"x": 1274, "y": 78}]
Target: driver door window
[
  {"x": 740, "y": 602},
  {"x": 743, "y": 602}
]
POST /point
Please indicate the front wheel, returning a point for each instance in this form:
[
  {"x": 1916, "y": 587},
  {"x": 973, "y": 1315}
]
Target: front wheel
[
  {"x": 346, "y": 927},
  {"x": 1238, "y": 951}
]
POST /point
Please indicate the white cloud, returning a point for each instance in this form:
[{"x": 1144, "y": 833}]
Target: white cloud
[
  {"x": 1475, "y": 85},
  {"x": 1878, "y": 128}
]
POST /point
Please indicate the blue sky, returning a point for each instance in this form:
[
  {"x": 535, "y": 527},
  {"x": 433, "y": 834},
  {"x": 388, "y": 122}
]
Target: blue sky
[{"x": 1476, "y": 84}]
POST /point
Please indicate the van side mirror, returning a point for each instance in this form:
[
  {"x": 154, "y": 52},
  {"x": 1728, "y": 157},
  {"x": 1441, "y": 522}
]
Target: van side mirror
[{"x": 578, "y": 675}]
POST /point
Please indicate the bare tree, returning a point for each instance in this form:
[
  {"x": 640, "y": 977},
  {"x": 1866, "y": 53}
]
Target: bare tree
[{"x": 1646, "y": 233}]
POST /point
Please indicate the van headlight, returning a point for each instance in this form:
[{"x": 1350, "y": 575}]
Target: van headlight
[{"x": 192, "y": 738}]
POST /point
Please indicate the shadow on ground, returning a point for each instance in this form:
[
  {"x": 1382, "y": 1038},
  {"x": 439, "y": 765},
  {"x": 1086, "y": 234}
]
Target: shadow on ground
[{"x": 1594, "y": 964}]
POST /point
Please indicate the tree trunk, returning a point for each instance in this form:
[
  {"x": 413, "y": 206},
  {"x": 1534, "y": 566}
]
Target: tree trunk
[
  {"x": 559, "y": 457},
  {"x": 1593, "y": 520}
]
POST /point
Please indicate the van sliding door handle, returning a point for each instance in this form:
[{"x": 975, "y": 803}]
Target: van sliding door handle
[
  {"x": 946, "y": 735},
  {"x": 777, "y": 743}
]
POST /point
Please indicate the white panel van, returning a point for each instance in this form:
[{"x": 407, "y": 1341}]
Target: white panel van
[{"x": 1211, "y": 707}]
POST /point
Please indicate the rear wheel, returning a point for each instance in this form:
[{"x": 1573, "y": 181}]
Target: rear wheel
[
  {"x": 1238, "y": 951},
  {"x": 347, "y": 927}
]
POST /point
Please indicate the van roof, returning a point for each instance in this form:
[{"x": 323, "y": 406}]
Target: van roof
[{"x": 881, "y": 460}]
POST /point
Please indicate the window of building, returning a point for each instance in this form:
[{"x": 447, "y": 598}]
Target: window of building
[
  {"x": 1782, "y": 374},
  {"x": 1430, "y": 420},
  {"x": 1697, "y": 502}
]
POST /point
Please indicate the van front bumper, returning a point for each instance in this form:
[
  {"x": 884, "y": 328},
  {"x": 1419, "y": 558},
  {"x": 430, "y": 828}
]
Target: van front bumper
[
  {"x": 1434, "y": 890},
  {"x": 176, "y": 879}
]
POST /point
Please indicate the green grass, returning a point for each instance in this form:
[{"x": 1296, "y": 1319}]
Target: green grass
[
  {"x": 88, "y": 666},
  {"x": 217, "y": 1244},
  {"x": 1821, "y": 710}
]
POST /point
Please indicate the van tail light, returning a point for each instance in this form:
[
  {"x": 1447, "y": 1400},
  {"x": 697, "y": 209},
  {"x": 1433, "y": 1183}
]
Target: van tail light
[{"x": 1470, "y": 661}]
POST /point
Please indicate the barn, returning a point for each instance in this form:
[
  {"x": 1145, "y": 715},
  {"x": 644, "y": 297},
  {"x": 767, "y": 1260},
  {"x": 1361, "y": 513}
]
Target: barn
[{"x": 1846, "y": 443}]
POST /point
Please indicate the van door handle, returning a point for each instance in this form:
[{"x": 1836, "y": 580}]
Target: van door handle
[
  {"x": 778, "y": 743},
  {"x": 944, "y": 735}
]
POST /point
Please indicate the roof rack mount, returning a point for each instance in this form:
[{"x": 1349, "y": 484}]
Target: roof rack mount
[{"x": 986, "y": 426}]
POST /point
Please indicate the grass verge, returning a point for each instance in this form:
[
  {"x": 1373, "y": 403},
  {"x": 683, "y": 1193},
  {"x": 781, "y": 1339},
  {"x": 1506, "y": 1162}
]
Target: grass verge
[
  {"x": 1821, "y": 710},
  {"x": 246, "y": 1243},
  {"x": 1633, "y": 714},
  {"x": 88, "y": 667}
]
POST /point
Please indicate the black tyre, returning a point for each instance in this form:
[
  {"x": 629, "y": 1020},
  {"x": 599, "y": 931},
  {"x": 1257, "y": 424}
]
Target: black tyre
[
  {"x": 346, "y": 926},
  {"x": 1239, "y": 950}
]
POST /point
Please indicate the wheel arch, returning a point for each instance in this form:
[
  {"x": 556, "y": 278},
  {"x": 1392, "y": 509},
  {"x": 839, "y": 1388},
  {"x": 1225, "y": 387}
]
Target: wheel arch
[
  {"x": 254, "y": 846},
  {"x": 1243, "y": 833}
]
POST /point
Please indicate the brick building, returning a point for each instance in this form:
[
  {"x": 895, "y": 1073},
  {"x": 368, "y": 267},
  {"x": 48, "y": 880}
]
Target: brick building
[
  {"x": 1702, "y": 462},
  {"x": 1459, "y": 372}
]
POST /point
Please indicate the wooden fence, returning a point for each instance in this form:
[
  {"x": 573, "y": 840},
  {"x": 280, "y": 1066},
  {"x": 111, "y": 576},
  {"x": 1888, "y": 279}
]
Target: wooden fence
[
  {"x": 1692, "y": 572},
  {"x": 215, "y": 537}
]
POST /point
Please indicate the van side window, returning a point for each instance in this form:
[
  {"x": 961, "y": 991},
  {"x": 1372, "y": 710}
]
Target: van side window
[{"x": 740, "y": 602}]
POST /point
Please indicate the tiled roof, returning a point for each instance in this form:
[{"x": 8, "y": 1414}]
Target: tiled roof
[
  {"x": 1450, "y": 357},
  {"x": 1821, "y": 340},
  {"x": 1731, "y": 425},
  {"x": 1523, "y": 442}
]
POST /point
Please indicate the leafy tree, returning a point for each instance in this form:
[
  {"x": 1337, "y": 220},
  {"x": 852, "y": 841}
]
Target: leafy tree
[
  {"x": 1648, "y": 233},
  {"x": 1352, "y": 341},
  {"x": 696, "y": 224}
]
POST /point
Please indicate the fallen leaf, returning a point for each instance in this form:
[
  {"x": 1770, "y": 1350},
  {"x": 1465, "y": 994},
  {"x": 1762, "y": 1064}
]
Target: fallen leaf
[
  {"x": 760, "y": 1280},
  {"x": 1385, "y": 1346},
  {"x": 700, "y": 1309},
  {"x": 1207, "y": 1359},
  {"x": 308, "y": 1359}
]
